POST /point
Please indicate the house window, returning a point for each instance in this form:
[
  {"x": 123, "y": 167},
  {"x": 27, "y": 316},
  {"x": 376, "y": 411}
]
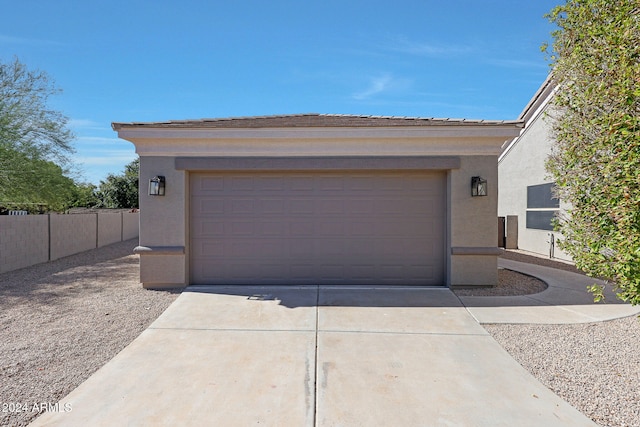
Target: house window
[{"x": 542, "y": 206}]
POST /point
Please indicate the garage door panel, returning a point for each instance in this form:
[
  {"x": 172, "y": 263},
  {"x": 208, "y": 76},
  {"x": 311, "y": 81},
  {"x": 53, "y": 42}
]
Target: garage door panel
[
  {"x": 331, "y": 207},
  {"x": 332, "y": 271},
  {"x": 393, "y": 229},
  {"x": 362, "y": 272},
  {"x": 330, "y": 250},
  {"x": 209, "y": 184},
  {"x": 240, "y": 271},
  {"x": 330, "y": 228},
  {"x": 322, "y": 228},
  {"x": 202, "y": 250},
  {"x": 393, "y": 273},
  {"x": 302, "y": 271},
  {"x": 272, "y": 206},
  {"x": 254, "y": 249},
  {"x": 427, "y": 206},
  {"x": 239, "y": 228},
  {"x": 360, "y": 207},
  {"x": 388, "y": 182},
  {"x": 362, "y": 228},
  {"x": 301, "y": 248},
  {"x": 421, "y": 271},
  {"x": 272, "y": 183},
  {"x": 299, "y": 228},
  {"x": 273, "y": 272},
  {"x": 242, "y": 207},
  {"x": 361, "y": 250},
  {"x": 208, "y": 206},
  {"x": 240, "y": 183},
  {"x": 330, "y": 183},
  {"x": 302, "y": 206},
  {"x": 270, "y": 228},
  {"x": 206, "y": 271},
  {"x": 302, "y": 183},
  {"x": 360, "y": 184},
  {"x": 209, "y": 229}
]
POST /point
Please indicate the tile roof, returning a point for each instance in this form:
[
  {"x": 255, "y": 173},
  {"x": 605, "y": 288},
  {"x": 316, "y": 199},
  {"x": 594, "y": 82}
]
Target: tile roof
[{"x": 313, "y": 120}]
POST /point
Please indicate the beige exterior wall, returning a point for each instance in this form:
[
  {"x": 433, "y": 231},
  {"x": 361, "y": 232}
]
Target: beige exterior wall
[
  {"x": 473, "y": 227},
  {"x": 471, "y": 224},
  {"x": 26, "y": 240},
  {"x": 521, "y": 166},
  {"x": 163, "y": 271},
  {"x": 163, "y": 224},
  {"x": 21, "y": 241}
]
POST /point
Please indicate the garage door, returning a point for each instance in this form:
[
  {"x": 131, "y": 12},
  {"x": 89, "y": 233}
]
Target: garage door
[{"x": 358, "y": 228}]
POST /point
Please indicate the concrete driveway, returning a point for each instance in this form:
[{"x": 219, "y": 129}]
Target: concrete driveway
[{"x": 314, "y": 356}]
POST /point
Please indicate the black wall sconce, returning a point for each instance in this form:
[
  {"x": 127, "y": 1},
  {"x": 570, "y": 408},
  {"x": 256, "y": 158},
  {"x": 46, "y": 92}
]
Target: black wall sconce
[
  {"x": 156, "y": 186},
  {"x": 478, "y": 186}
]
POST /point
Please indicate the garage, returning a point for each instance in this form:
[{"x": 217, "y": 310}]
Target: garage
[
  {"x": 318, "y": 199},
  {"x": 320, "y": 228}
]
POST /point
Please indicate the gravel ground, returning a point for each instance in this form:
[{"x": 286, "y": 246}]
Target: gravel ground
[
  {"x": 509, "y": 283},
  {"x": 61, "y": 321},
  {"x": 593, "y": 366}
]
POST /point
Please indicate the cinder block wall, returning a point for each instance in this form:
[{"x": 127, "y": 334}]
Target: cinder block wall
[
  {"x": 26, "y": 240},
  {"x": 71, "y": 234},
  {"x": 130, "y": 225},
  {"x": 109, "y": 228}
]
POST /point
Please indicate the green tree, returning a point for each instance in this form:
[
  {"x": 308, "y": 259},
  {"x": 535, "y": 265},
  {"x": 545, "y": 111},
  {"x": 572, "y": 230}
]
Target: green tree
[
  {"x": 26, "y": 181},
  {"x": 84, "y": 195},
  {"x": 34, "y": 140},
  {"x": 120, "y": 191},
  {"x": 595, "y": 59}
]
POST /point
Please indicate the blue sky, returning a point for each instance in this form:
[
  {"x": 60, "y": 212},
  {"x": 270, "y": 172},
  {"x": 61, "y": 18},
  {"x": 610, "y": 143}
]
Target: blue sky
[{"x": 159, "y": 60}]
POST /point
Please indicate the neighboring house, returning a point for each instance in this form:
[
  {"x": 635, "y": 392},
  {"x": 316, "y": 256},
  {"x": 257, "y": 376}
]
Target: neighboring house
[
  {"x": 318, "y": 199},
  {"x": 526, "y": 199}
]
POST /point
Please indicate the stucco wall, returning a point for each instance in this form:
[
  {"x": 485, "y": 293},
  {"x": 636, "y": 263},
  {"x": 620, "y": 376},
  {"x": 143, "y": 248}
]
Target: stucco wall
[
  {"x": 522, "y": 166},
  {"x": 163, "y": 224},
  {"x": 21, "y": 241},
  {"x": 473, "y": 226}
]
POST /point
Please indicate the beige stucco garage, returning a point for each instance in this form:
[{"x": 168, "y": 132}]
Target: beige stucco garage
[{"x": 318, "y": 199}]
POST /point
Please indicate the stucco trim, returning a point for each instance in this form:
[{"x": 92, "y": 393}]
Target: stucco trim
[
  {"x": 159, "y": 250},
  {"x": 532, "y": 112},
  {"x": 318, "y": 163},
  {"x": 477, "y": 250},
  {"x": 507, "y": 130}
]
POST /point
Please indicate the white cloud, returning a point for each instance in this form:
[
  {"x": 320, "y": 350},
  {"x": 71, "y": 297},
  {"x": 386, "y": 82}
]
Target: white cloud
[
  {"x": 5, "y": 39},
  {"x": 383, "y": 84},
  {"x": 116, "y": 159},
  {"x": 95, "y": 165},
  {"x": 96, "y": 140},
  {"x": 376, "y": 85},
  {"x": 403, "y": 45},
  {"x": 87, "y": 124}
]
